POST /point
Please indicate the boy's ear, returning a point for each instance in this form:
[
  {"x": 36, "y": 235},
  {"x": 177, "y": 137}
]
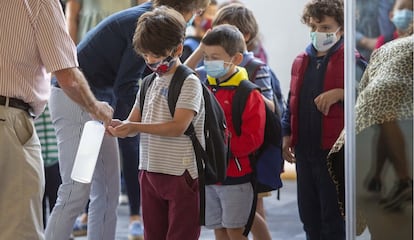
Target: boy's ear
[
  {"x": 341, "y": 31},
  {"x": 238, "y": 58},
  {"x": 179, "y": 50}
]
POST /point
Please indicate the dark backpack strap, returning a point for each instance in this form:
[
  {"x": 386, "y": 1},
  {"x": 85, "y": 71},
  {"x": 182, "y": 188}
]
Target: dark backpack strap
[
  {"x": 146, "y": 82},
  {"x": 252, "y": 67},
  {"x": 252, "y": 214},
  {"x": 239, "y": 103},
  {"x": 176, "y": 84},
  {"x": 174, "y": 91}
]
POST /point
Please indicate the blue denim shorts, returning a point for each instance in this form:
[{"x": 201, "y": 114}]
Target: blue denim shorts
[{"x": 228, "y": 206}]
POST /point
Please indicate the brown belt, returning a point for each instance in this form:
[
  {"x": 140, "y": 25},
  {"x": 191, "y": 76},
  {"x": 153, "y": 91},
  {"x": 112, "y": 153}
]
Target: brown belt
[{"x": 15, "y": 103}]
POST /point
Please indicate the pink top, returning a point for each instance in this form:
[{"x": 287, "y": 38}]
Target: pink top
[{"x": 33, "y": 43}]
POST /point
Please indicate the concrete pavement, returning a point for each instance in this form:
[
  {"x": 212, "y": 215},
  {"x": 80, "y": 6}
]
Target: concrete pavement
[{"x": 282, "y": 217}]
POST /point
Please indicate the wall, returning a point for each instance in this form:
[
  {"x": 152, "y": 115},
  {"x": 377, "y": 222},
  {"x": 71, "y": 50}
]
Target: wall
[{"x": 284, "y": 35}]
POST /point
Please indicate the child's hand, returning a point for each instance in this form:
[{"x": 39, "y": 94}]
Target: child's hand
[
  {"x": 121, "y": 129},
  {"x": 287, "y": 151},
  {"x": 113, "y": 123},
  {"x": 325, "y": 100},
  {"x": 206, "y": 33}
]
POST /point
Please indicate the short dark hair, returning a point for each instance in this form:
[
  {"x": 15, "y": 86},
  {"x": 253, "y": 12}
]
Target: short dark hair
[
  {"x": 182, "y": 6},
  {"x": 319, "y": 9},
  {"x": 159, "y": 31},
  {"x": 227, "y": 36},
  {"x": 240, "y": 16}
]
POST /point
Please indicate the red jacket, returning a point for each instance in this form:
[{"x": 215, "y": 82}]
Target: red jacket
[
  {"x": 253, "y": 122},
  {"x": 333, "y": 123}
]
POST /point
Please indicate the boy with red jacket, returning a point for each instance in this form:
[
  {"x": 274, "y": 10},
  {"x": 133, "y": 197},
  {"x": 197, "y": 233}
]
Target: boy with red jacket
[
  {"x": 228, "y": 204},
  {"x": 315, "y": 117}
]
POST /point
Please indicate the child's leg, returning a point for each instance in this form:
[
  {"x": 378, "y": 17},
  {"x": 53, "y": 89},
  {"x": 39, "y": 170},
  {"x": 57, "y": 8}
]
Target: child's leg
[
  {"x": 236, "y": 234},
  {"x": 183, "y": 211},
  {"x": 236, "y": 202},
  {"x": 221, "y": 234},
  {"x": 154, "y": 208},
  {"x": 260, "y": 229},
  {"x": 170, "y": 206}
]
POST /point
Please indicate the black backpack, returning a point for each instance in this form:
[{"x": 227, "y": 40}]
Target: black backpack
[
  {"x": 267, "y": 162},
  {"x": 272, "y": 137},
  {"x": 211, "y": 162}
]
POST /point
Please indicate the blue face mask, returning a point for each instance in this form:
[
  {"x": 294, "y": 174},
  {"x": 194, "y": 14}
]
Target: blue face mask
[
  {"x": 190, "y": 22},
  {"x": 216, "y": 68},
  {"x": 402, "y": 19}
]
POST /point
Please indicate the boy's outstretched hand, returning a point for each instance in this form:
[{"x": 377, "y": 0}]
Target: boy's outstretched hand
[{"x": 121, "y": 129}]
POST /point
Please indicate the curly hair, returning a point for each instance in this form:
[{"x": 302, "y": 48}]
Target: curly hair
[{"x": 319, "y": 9}]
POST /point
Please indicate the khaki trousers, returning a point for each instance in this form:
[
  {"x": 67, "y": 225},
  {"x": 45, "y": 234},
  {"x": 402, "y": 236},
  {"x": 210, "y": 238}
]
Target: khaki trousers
[{"x": 21, "y": 177}]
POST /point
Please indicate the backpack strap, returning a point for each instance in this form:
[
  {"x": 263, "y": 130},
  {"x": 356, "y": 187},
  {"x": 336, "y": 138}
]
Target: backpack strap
[
  {"x": 174, "y": 90},
  {"x": 252, "y": 67},
  {"x": 239, "y": 103},
  {"x": 146, "y": 82},
  {"x": 177, "y": 81}
]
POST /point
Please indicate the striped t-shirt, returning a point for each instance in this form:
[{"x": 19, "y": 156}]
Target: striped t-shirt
[{"x": 170, "y": 155}]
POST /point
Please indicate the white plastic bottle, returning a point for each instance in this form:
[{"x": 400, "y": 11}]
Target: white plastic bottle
[{"x": 88, "y": 151}]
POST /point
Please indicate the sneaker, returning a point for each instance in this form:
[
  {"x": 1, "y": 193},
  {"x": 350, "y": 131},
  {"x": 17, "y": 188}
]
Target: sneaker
[
  {"x": 123, "y": 199},
  {"x": 79, "y": 228},
  {"x": 374, "y": 185},
  {"x": 401, "y": 193},
  {"x": 135, "y": 231}
]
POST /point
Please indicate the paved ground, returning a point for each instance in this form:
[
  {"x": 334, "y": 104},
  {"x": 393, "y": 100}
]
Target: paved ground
[{"x": 282, "y": 217}]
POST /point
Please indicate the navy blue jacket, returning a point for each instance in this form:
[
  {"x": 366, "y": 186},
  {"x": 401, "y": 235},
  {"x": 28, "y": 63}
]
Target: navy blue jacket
[{"x": 108, "y": 60}]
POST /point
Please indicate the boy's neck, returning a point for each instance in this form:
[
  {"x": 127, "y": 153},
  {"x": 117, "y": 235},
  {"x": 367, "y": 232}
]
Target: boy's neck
[
  {"x": 321, "y": 54},
  {"x": 231, "y": 71}
]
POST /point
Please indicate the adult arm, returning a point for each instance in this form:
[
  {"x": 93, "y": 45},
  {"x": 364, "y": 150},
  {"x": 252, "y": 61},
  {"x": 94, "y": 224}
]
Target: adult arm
[{"x": 74, "y": 84}]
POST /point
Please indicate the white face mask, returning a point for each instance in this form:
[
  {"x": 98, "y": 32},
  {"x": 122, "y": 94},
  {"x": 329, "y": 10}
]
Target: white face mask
[{"x": 323, "y": 41}]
